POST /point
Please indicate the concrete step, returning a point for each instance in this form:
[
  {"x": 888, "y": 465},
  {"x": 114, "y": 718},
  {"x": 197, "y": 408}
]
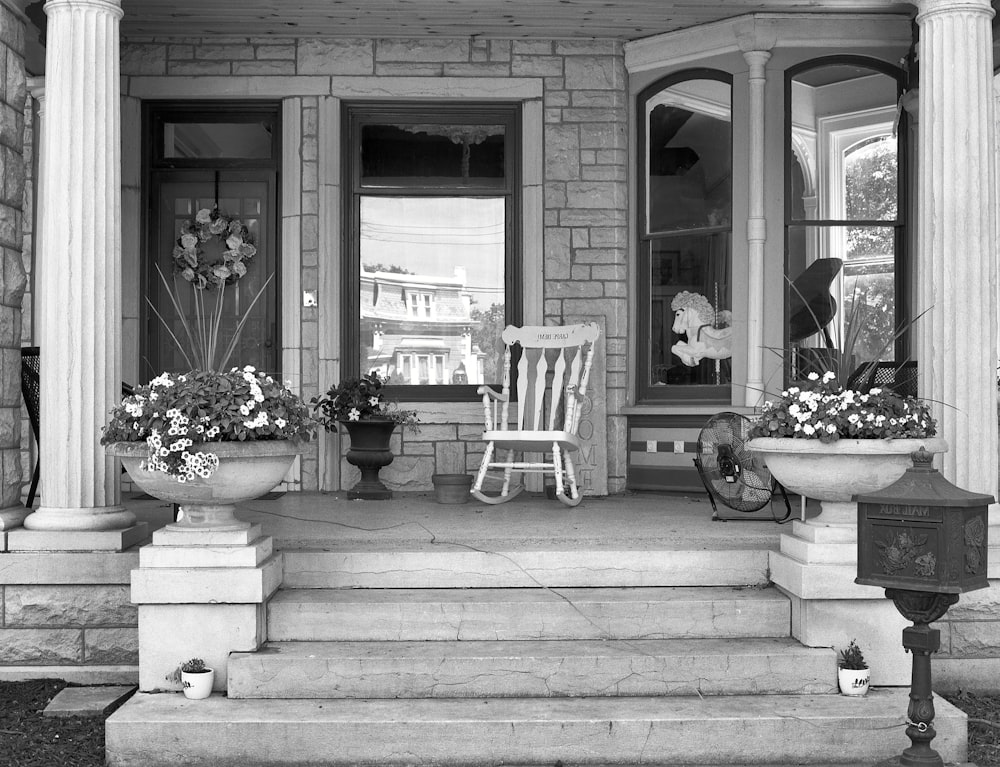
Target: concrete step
[
  {"x": 508, "y": 565},
  {"x": 566, "y": 613},
  {"x": 167, "y": 729},
  {"x": 532, "y": 668}
]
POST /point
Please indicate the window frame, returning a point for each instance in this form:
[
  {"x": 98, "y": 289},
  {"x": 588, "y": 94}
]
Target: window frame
[
  {"x": 902, "y": 263},
  {"x": 646, "y": 393},
  {"x": 354, "y": 116}
]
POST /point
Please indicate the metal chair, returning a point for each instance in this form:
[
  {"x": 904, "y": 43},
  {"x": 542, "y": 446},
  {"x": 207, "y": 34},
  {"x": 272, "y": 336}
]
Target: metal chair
[
  {"x": 552, "y": 375},
  {"x": 31, "y": 393},
  {"x": 900, "y": 377}
]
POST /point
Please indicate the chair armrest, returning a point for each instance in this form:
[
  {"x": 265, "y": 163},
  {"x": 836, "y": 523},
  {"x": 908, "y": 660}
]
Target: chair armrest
[{"x": 489, "y": 393}]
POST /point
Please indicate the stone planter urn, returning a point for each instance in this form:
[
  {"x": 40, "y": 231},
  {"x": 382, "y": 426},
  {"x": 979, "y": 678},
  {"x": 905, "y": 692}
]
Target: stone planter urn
[
  {"x": 369, "y": 451},
  {"x": 246, "y": 471},
  {"x": 834, "y": 472}
]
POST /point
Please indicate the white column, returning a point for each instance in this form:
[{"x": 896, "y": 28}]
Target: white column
[
  {"x": 956, "y": 248},
  {"x": 756, "y": 230},
  {"x": 79, "y": 289}
]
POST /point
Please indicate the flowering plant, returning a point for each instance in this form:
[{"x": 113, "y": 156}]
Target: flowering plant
[
  {"x": 822, "y": 409},
  {"x": 189, "y": 258},
  {"x": 174, "y": 414},
  {"x": 361, "y": 399}
]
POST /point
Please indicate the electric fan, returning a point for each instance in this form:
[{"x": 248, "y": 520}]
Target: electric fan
[{"x": 730, "y": 472}]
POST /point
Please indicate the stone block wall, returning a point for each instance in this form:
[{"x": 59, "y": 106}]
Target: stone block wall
[
  {"x": 970, "y": 633},
  {"x": 585, "y": 169},
  {"x": 68, "y": 615},
  {"x": 12, "y": 277}
]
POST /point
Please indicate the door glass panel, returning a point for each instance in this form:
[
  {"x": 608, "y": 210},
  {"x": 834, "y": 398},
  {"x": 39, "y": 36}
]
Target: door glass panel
[
  {"x": 258, "y": 343},
  {"x": 432, "y": 287},
  {"x": 190, "y": 140}
]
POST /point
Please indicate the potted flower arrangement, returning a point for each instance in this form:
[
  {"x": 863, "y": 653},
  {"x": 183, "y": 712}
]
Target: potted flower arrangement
[
  {"x": 208, "y": 440},
  {"x": 195, "y": 678},
  {"x": 830, "y": 443},
  {"x": 853, "y": 673},
  {"x": 211, "y": 437},
  {"x": 360, "y": 407}
]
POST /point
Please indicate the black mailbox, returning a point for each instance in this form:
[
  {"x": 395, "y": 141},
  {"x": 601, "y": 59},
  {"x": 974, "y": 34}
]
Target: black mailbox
[{"x": 923, "y": 533}]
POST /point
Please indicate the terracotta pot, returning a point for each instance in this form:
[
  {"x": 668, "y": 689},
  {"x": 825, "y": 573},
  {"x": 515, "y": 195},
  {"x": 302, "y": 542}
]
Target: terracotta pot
[
  {"x": 198, "y": 684},
  {"x": 834, "y": 472},
  {"x": 452, "y": 488},
  {"x": 246, "y": 471},
  {"x": 854, "y": 681},
  {"x": 369, "y": 451}
]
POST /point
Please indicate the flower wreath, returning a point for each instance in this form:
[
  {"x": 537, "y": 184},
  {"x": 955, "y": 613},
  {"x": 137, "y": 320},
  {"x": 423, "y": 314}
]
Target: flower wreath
[{"x": 189, "y": 258}]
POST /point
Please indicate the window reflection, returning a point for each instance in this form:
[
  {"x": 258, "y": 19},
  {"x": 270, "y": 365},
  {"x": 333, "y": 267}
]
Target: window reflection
[
  {"x": 432, "y": 288},
  {"x": 400, "y": 155}
]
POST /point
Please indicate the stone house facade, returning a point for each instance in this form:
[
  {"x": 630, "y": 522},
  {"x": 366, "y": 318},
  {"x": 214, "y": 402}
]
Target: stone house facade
[{"x": 579, "y": 236}]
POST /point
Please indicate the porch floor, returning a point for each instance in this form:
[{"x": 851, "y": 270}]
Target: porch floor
[{"x": 642, "y": 520}]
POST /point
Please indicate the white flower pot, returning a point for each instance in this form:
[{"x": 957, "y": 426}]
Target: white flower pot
[
  {"x": 198, "y": 685},
  {"x": 834, "y": 472},
  {"x": 854, "y": 681}
]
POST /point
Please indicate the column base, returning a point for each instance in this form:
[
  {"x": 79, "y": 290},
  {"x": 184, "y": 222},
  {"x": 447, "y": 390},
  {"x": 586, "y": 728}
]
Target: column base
[
  {"x": 80, "y": 519},
  {"x": 77, "y": 540},
  {"x": 202, "y": 594}
]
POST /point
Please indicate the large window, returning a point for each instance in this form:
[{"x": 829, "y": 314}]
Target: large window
[
  {"x": 845, "y": 216},
  {"x": 685, "y": 255},
  {"x": 433, "y": 268}
]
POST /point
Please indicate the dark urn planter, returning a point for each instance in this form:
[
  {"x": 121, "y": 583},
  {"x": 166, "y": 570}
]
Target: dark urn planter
[{"x": 369, "y": 451}]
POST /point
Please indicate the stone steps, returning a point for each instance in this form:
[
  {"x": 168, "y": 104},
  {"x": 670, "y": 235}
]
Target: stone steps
[
  {"x": 521, "y": 614},
  {"x": 503, "y": 564},
  {"x": 166, "y": 730},
  {"x": 531, "y": 668}
]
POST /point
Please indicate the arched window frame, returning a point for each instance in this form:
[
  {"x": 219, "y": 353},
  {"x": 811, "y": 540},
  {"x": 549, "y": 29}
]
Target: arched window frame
[
  {"x": 646, "y": 393},
  {"x": 828, "y": 147}
]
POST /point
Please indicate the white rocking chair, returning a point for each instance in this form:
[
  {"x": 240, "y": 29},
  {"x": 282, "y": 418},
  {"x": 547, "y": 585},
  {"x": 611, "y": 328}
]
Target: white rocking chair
[{"x": 551, "y": 385}]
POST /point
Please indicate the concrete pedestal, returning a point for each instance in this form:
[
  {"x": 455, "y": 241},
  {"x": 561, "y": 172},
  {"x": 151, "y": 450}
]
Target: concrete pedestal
[
  {"x": 816, "y": 567},
  {"x": 201, "y": 595}
]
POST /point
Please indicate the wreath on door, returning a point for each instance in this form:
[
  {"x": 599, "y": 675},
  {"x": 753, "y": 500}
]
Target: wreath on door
[{"x": 202, "y": 271}]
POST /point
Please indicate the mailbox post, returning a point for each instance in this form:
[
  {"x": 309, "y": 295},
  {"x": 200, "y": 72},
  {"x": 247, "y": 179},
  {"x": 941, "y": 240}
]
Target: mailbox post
[{"x": 924, "y": 541}]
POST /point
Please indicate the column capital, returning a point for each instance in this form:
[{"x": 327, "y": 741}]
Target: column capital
[
  {"x": 927, "y": 8},
  {"x": 109, "y": 6},
  {"x": 757, "y": 61}
]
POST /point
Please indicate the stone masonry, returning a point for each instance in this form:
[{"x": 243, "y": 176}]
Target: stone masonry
[
  {"x": 585, "y": 191},
  {"x": 12, "y": 276}
]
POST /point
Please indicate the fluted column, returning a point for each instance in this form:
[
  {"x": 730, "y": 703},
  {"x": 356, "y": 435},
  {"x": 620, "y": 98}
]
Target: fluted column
[
  {"x": 756, "y": 230},
  {"x": 79, "y": 287},
  {"x": 956, "y": 247}
]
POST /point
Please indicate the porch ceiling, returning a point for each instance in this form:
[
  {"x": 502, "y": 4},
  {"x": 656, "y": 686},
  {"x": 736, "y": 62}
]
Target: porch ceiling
[{"x": 625, "y": 20}]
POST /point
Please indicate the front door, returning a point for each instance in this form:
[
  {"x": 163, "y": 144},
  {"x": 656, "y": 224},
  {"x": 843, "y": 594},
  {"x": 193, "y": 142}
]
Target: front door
[{"x": 201, "y": 176}]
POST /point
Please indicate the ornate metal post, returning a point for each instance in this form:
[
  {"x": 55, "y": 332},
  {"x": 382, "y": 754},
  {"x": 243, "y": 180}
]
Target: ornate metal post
[{"x": 925, "y": 541}]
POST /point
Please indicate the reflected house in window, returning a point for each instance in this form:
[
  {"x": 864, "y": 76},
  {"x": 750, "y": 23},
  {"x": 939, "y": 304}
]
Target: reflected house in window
[{"x": 418, "y": 329}]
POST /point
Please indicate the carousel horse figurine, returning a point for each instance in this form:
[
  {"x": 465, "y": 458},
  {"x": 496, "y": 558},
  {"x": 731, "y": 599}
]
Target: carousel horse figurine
[{"x": 695, "y": 317}]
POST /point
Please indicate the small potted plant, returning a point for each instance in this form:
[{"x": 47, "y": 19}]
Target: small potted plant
[
  {"x": 853, "y": 673},
  {"x": 195, "y": 678},
  {"x": 359, "y": 405}
]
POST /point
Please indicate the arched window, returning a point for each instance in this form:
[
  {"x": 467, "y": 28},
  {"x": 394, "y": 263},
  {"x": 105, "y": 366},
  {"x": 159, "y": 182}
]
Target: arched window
[
  {"x": 685, "y": 251},
  {"x": 845, "y": 216}
]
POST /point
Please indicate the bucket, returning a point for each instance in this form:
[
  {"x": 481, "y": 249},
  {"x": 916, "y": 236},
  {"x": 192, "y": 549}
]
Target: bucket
[{"x": 452, "y": 488}]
